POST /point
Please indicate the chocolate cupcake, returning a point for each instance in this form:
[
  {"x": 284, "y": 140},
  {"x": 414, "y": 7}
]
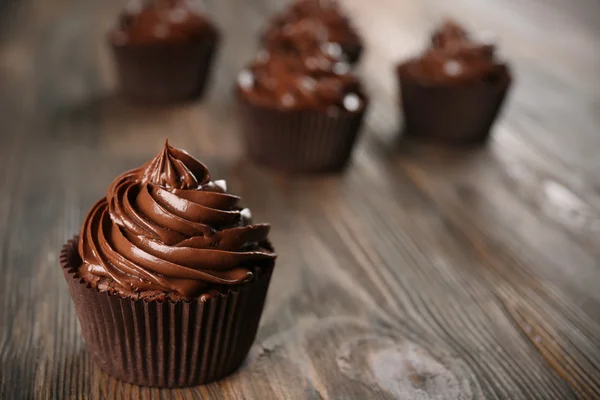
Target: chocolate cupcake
[
  {"x": 338, "y": 28},
  {"x": 301, "y": 107},
  {"x": 453, "y": 92},
  {"x": 169, "y": 275},
  {"x": 163, "y": 51}
]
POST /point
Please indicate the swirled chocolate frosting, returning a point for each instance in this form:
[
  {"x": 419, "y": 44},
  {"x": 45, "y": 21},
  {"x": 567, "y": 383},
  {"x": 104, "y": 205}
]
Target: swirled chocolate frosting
[
  {"x": 302, "y": 38},
  {"x": 292, "y": 82},
  {"x": 298, "y": 69},
  {"x": 337, "y": 26},
  {"x": 454, "y": 57},
  {"x": 165, "y": 230},
  {"x": 162, "y": 21}
]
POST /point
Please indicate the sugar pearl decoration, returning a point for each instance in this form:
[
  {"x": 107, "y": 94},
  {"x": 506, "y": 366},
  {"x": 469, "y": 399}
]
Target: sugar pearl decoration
[
  {"x": 221, "y": 184},
  {"x": 245, "y": 79},
  {"x": 311, "y": 63},
  {"x": 288, "y": 100},
  {"x": 341, "y": 68},
  {"x": 246, "y": 214},
  {"x": 308, "y": 83},
  {"x": 452, "y": 68},
  {"x": 332, "y": 49},
  {"x": 351, "y": 102}
]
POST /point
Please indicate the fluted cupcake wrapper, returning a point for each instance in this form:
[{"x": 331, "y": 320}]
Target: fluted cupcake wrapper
[
  {"x": 299, "y": 140},
  {"x": 164, "y": 73},
  {"x": 459, "y": 114},
  {"x": 166, "y": 344}
]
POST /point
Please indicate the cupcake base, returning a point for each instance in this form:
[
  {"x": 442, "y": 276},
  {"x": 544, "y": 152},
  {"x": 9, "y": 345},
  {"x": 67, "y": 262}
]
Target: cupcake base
[
  {"x": 460, "y": 114},
  {"x": 307, "y": 141},
  {"x": 164, "y": 73},
  {"x": 165, "y": 344}
]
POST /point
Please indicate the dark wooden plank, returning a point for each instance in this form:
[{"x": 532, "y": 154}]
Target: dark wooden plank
[{"x": 418, "y": 274}]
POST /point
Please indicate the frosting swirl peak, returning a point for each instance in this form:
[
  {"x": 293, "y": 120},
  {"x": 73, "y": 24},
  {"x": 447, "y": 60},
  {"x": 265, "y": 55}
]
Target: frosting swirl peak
[
  {"x": 166, "y": 230},
  {"x": 175, "y": 169}
]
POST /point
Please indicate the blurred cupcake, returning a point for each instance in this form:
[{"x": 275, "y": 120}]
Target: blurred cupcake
[
  {"x": 338, "y": 28},
  {"x": 301, "y": 107},
  {"x": 453, "y": 92},
  {"x": 163, "y": 50},
  {"x": 169, "y": 275}
]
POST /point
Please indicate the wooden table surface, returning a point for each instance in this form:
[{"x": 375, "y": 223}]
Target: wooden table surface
[{"x": 418, "y": 274}]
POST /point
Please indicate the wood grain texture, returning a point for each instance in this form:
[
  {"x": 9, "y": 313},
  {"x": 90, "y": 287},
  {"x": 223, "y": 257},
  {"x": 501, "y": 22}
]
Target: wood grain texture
[{"x": 421, "y": 273}]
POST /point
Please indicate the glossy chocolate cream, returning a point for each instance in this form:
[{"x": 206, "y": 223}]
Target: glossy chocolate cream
[
  {"x": 162, "y": 21},
  {"x": 165, "y": 230},
  {"x": 454, "y": 57},
  {"x": 303, "y": 38},
  {"x": 327, "y": 12},
  {"x": 302, "y": 71}
]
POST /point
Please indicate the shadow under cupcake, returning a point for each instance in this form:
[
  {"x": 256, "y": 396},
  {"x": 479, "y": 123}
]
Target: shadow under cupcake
[
  {"x": 163, "y": 51},
  {"x": 169, "y": 275},
  {"x": 453, "y": 92}
]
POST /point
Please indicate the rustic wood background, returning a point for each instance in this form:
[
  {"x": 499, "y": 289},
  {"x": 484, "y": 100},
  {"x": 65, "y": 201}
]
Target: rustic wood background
[{"x": 418, "y": 274}]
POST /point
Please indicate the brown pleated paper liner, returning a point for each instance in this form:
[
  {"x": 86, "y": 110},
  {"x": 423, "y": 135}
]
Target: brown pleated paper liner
[
  {"x": 299, "y": 140},
  {"x": 452, "y": 114},
  {"x": 164, "y": 73},
  {"x": 166, "y": 344}
]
